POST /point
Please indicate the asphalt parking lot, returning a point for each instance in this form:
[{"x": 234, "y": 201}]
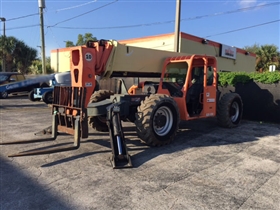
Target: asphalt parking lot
[{"x": 206, "y": 167}]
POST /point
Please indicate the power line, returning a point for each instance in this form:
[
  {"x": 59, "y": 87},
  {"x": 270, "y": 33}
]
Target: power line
[
  {"x": 240, "y": 29},
  {"x": 139, "y": 25},
  {"x": 83, "y": 13},
  {"x": 237, "y": 10},
  {"x": 21, "y": 27},
  {"x": 28, "y": 26},
  {"x": 73, "y": 7},
  {"x": 58, "y": 10},
  {"x": 171, "y": 21},
  {"x": 53, "y": 34},
  {"x": 25, "y": 16}
]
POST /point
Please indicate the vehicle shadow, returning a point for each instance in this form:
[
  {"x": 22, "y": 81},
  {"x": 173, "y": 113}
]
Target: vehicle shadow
[
  {"x": 192, "y": 134},
  {"x": 37, "y": 105},
  {"x": 17, "y": 96},
  {"x": 104, "y": 142},
  {"x": 18, "y": 102},
  {"x": 17, "y": 188},
  {"x": 203, "y": 133}
]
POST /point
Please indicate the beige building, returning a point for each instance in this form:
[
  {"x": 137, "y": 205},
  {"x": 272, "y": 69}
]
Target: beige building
[
  {"x": 60, "y": 59},
  {"x": 229, "y": 58}
]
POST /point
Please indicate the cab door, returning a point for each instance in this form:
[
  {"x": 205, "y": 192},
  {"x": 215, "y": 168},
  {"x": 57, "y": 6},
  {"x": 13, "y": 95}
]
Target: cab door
[
  {"x": 210, "y": 88},
  {"x": 201, "y": 87}
]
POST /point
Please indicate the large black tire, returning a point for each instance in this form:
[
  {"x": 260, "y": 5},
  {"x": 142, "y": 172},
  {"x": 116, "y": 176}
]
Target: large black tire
[
  {"x": 98, "y": 123},
  {"x": 48, "y": 97},
  {"x": 157, "y": 120},
  {"x": 230, "y": 110},
  {"x": 31, "y": 96}
]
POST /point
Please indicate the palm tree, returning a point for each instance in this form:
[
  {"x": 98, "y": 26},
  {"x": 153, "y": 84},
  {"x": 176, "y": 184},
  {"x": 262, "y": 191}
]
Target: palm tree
[
  {"x": 82, "y": 40},
  {"x": 18, "y": 55},
  {"x": 266, "y": 55}
]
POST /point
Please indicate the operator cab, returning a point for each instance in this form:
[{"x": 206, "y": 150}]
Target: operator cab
[{"x": 190, "y": 80}]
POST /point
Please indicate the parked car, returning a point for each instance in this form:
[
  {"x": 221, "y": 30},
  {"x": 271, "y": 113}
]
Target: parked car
[
  {"x": 46, "y": 93},
  {"x": 15, "y": 82},
  {"x": 7, "y": 77}
]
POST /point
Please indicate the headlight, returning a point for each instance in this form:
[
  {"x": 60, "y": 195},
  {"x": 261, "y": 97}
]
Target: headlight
[{"x": 51, "y": 83}]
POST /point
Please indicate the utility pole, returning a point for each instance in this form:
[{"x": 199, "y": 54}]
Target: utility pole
[
  {"x": 43, "y": 56},
  {"x": 177, "y": 26},
  {"x": 3, "y": 44}
]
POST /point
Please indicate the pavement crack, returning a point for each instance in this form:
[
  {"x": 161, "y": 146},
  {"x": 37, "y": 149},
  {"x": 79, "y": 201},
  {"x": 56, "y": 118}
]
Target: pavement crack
[
  {"x": 231, "y": 157},
  {"x": 173, "y": 204},
  {"x": 164, "y": 190},
  {"x": 198, "y": 172},
  {"x": 40, "y": 173},
  {"x": 258, "y": 189}
]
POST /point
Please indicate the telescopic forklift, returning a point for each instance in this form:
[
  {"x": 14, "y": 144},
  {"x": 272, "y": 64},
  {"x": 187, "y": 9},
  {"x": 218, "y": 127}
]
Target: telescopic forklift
[{"x": 181, "y": 87}]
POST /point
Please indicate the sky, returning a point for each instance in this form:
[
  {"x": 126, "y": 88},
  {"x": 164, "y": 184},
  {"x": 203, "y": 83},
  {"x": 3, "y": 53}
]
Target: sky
[{"x": 236, "y": 23}]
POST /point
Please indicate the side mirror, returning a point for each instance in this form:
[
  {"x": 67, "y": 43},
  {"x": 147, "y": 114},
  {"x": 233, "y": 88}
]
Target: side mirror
[{"x": 12, "y": 80}]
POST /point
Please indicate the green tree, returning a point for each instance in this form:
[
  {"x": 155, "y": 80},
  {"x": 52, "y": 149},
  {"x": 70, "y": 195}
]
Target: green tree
[
  {"x": 253, "y": 49},
  {"x": 266, "y": 55},
  {"x": 69, "y": 44},
  {"x": 36, "y": 66},
  {"x": 81, "y": 40},
  {"x": 18, "y": 55}
]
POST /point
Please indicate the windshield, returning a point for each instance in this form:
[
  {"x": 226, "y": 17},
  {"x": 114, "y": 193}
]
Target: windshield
[
  {"x": 176, "y": 72},
  {"x": 3, "y": 78}
]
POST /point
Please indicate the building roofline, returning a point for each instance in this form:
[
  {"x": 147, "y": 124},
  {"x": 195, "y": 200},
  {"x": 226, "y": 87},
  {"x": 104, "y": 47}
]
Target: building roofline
[
  {"x": 184, "y": 36},
  {"x": 65, "y": 49},
  {"x": 145, "y": 38},
  {"x": 168, "y": 35}
]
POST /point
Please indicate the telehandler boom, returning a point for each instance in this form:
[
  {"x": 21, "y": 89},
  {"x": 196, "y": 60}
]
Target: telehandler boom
[{"x": 186, "y": 89}]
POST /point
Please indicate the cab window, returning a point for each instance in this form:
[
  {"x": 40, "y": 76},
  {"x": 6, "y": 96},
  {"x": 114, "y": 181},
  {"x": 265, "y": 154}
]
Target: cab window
[
  {"x": 3, "y": 78},
  {"x": 13, "y": 78},
  {"x": 176, "y": 72},
  {"x": 20, "y": 77},
  {"x": 197, "y": 75},
  {"x": 210, "y": 75}
]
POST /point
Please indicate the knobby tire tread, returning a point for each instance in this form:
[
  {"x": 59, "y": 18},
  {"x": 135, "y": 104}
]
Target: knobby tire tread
[
  {"x": 95, "y": 122},
  {"x": 144, "y": 116},
  {"x": 223, "y": 116}
]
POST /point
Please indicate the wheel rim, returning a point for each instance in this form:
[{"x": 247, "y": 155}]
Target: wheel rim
[
  {"x": 234, "y": 111},
  {"x": 162, "y": 121},
  {"x": 4, "y": 94}
]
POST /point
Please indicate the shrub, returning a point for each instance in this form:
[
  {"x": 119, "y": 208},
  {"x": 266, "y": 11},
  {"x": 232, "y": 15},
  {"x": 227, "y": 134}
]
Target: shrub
[{"x": 232, "y": 78}]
